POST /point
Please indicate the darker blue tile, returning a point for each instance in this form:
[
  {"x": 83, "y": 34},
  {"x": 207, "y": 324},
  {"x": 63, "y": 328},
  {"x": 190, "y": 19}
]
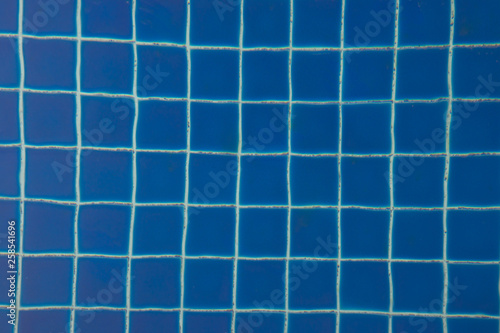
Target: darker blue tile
[
  {"x": 365, "y": 286},
  {"x": 101, "y": 282},
  {"x": 154, "y": 322},
  {"x": 162, "y": 21},
  {"x": 476, "y": 24},
  {"x": 103, "y": 229},
  {"x": 9, "y": 15},
  {"x": 215, "y": 23},
  {"x": 260, "y": 322},
  {"x": 99, "y": 321},
  {"x": 9, "y": 211},
  {"x": 50, "y": 173},
  {"x": 266, "y": 23},
  {"x": 162, "y": 125},
  {"x": 156, "y": 283},
  {"x": 214, "y": 127},
  {"x": 49, "y": 119},
  {"x": 313, "y": 188},
  {"x": 43, "y": 320},
  {"x": 47, "y": 281},
  {"x": 48, "y": 228},
  {"x": 9, "y": 171},
  {"x": 112, "y": 19},
  {"x": 160, "y": 177},
  {"x": 265, "y": 75},
  {"x": 214, "y": 74},
  {"x": 365, "y": 233},
  {"x": 211, "y": 231},
  {"x": 361, "y": 323},
  {"x": 312, "y": 322},
  {"x": 106, "y": 176},
  {"x": 50, "y": 17},
  {"x": 158, "y": 230},
  {"x": 416, "y": 324},
  {"x": 208, "y": 284},
  {"x": 9, "y": 67},
  {"x": 466, "y": 325},
  {"x": 107, "y": 67},
  {"x": 263, "y": 232},
  {"x": 313, "y": 233},
  {"x": 9, "y": 127},
  {"x": 316, "y": 23},
  {"x": 264, "y": 128},
  {"x": 207, "y": 322}
]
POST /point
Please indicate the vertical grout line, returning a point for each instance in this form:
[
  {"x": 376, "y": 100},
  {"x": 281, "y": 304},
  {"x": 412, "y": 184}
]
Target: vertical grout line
[
  {"x": 447, "y": 165},
  {"x": 188, "y": 153},
  {"x": 134, "y": 170}
]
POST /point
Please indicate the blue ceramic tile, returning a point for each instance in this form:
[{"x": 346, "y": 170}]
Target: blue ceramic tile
[
  {"x": 208, "y": 284},
  {"x": 465, "y": 325},
  {"x": 48, "y": 228},
  {"x": 207, "y": 322},
  {"x": 112, "y": 19},
  {"x": 49, "y": 119},
  {"x": 215, "y": 23},
  {"x": 53, "y": 17},
  {"x": 9, "y": 171},
  {"x": 265, "y": 75},
  {"x": 9, "y": 67},
  {"x": 160, "y": 177},
  {"x": 359, "y": 323},
  {"x": 312, "y": 322},
  {"x": 262, "y": 233},
  {"x": 365, "y": 234},
  {"x": 8, "y": 16},
  {"x": 99, "y": 321},
  {"x": 214, "y": 74},
  {"x": 476, "y": 24},
  {"x": 415, "y": 324},
  {"x": 214, "y": 127},
  {"x": 260, "y": 322},
  {"x": 366, "y": 129},
  {"x": 5, "y": 326},
  {"x": 266, "y": 23},
  {"x": 162, "y": 125},
  {"x": 50, "y": 173},
  {"x": 156, "y": 283},
  {"x": 473, "y": 235},
  {"x": 103, "y": 229},
  {"x": 264, "y": 128},
  {"x": 4, "y": 283},
  {"x": 364, "y": 286},
  {"x": 154, "y": 322},
  {"x": 367, "y": 75},
  {"x": 161, "y": 21},
  {"x": 316, "y": 23},
  {"x": 9, "y": 211},
  {"x": 106, "y": 175},
  {"x": 158, "y": 230},
  {"x": 211, "y": 232},
  {"x": 320, "y": 187},
  {"x": 47, "y": 281},
  {"x": 315, "y": 128},
  {"x": 43, "y": 320},
  {"x": 417, "y": 234},
  {"x": 97, "y": 283},
  {"x": 107, "y": 67},
  {"x": 315, "y": 75},
  {"x": 313, "y": 233},
  {"x": 9, "y": 127}
]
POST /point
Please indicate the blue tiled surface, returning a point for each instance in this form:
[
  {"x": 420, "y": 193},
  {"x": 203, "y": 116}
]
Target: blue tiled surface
[{"x": 251, "y": 166}]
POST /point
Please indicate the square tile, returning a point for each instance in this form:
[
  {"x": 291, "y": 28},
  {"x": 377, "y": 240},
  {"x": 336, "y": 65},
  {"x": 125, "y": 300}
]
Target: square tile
[
  {"x": 316, "y": 23},
  {"x": 160, "y": 177},
  {"x": 162, "y": 125},
  {"x": 265, "y": 74},
  {"x": 9, "y": 128},
  {"x": 465, "y": 325},
  {"x": 48, "y": 228},
  {"x": 367, "y": 75},
  {"x": 207, "y": 322},
  {"x": 264, "y": 128},
  {"x": 260, "y": 282},
  {"x": 215, "y": 23},
  {"x": 473, "y": 235},
  {"x": 106, "y": 175},
  {"x": 52, "y": 17},
  {"x": 158, "y": 21},
  {"x": 9, "y": 171},
  {"x": 154, "y": 321},
  {"x": 158, "y": 230},
  {"x": 424, "y": 22},
  {"x": 211, "y": 232},
  {"x": 215, "y": 74},
  {"x": 313, "y": 233},
  {"x": 43, "y": 320},
  {"x": 50, "y": 173},
  {"x": 474, "y": 180},
  {"x": 422, "y": 74},
  {"x": 266, "y": 23},
  {"x": 263, "y": 180},
  {"x": 111, "y": 19},
  {"x": 107, "y": 122},
  {"x": 418, "y": 287},
  {"x": 365, "y": 181},
  {"x": 42, "y": 286},
  {"x": 312, "y": 322},
  {"x": 9, "y": 67},
  {"x": 366, "y": 129},
  {"x": 365, "y": 233},
  {"x": 50, "y": 64},
  {"x": 360, "y": 323},
  {"x": 263, "y": 232},
  {"x": 5, "y": 284},
  {"x": 49, "y": 119},
  {"x": 99, "y": 321},
  {"x": 313, "y": 188},
  {"x": 315, "y": 128},
  {"x": 420, "y": 127},
  {"x": 471, "y": 30},
  {"x": 212, "y": 178},
  {"x": 107, "y": 67},
  {"x": 417, "y": 234},
  {"x": 315, "y": 75},
  {"x": 103, "y": 229},
  {"x": 260, "y": 323},
  {"x": 9, "y": 211},
  {"x": 156, "y": 283},
  {"x": 413, "y": 324},
  {"x": 364, "y": 286},
  {"x": 161, "y": 71},
  {"x": 9, "y": 16},
  {"x": 97, "y": 283},
  {"x": 214, "y": 127},
  {"x": 208, "y": 284}
]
